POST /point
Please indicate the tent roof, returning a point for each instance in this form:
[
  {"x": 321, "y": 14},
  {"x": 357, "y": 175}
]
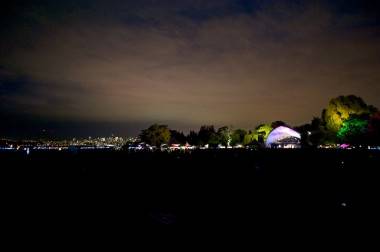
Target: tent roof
[{"x": 279, "y": 134}]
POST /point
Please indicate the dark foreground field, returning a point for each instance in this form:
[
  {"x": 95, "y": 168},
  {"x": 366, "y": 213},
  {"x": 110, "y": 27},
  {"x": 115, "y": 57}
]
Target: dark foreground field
[{"x": 268, "y": 188}]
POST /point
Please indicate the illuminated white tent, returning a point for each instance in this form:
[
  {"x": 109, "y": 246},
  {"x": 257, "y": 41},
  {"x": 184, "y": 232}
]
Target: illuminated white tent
[{"x": 283, "y": 137}]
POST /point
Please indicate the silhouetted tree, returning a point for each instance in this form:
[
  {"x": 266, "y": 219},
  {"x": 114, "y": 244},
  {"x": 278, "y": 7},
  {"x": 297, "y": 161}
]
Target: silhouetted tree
[
  {"x": 237, "y": 136},
  {"x": 276, "y": 124},
  {"x": 177, "y": 137},
  {"x": 305, "y": 131},
  {"x": 318, "y": 132},
  {"x": 193, "y": 138},
  {"x": 374, "y": 129},
  {"x": 206, "y": 132},
  {"x": 156, "y": 135},
  {"x": 215, "y": 140},
  {"x": 315, "y": 133}
]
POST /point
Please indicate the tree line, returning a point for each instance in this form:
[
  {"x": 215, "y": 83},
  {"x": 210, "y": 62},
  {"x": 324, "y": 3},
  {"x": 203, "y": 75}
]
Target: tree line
[{"x": 346, "y": 119}]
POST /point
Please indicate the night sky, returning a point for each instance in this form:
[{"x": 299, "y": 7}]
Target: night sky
[{"x": 76, "y": 68}]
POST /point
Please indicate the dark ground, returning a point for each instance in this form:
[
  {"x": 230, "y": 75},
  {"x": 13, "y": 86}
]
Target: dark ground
[{"x": 258, "y": 189}]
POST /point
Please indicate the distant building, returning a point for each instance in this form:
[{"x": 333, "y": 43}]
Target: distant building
[{"x": 283, "y": 137}]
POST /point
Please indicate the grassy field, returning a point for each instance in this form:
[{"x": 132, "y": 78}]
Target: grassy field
[{"x": 258, "y": 188}]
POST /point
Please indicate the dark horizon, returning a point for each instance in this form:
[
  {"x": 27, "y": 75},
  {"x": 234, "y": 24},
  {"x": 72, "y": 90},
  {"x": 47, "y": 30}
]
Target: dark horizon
[{"x": 80, "y": 68}]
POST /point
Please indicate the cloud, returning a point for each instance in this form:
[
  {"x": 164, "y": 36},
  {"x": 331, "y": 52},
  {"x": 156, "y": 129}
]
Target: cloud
[{"x": 161, "y": 63}]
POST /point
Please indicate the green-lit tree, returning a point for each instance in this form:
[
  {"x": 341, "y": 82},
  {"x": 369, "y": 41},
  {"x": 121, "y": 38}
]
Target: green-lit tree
[
  {"x": 248, "y": 138},
  {"x": 258, "y": 136},
  {"x": 156, "y": 135},
  {"x": 353, "y": 130},
  {"x": 261, "y": 133},
  {"x": 224, "y": 135},
  {"x": 342, "y": 108}
]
